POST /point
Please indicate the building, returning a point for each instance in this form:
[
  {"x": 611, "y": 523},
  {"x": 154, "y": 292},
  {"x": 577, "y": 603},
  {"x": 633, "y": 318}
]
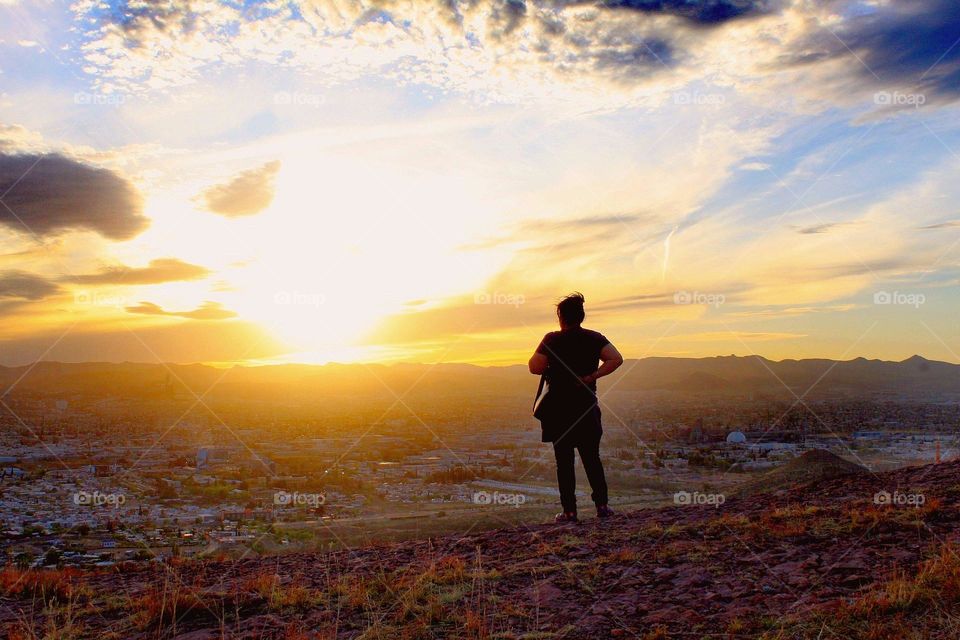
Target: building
[
  {"x": 210, "y": 456},
  {"x": 736, "y": 437}
]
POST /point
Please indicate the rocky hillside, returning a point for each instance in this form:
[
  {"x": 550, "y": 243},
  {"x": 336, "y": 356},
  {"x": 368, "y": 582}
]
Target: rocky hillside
[
  {"x": 857, "y": 556},
  {"x": 811, "y": 466}
]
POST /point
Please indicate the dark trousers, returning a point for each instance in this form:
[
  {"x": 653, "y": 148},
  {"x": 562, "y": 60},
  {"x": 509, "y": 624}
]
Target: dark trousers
[{"x": 589, "y": 448}]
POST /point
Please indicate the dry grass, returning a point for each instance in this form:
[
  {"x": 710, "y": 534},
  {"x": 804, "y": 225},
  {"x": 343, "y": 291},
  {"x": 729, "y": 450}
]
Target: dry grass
[
  {"x": 269, "y": 588},
  {"x": 923, "y": 604},
  {"x": 46, "y": 585}
]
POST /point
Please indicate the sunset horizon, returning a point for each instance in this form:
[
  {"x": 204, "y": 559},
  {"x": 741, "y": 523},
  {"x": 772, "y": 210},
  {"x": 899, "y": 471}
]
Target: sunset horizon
[{"x": 479, "y": 319}]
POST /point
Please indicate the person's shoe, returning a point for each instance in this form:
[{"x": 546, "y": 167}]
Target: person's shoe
[
  {"x": 605, "y": 512},
  {"x": 565, "y": 517}
]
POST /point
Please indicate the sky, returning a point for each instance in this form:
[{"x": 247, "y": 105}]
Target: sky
[{"x": 319, "y": 180}]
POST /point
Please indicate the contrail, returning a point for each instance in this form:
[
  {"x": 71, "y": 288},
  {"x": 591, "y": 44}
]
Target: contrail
[{"x": 666, "y": 254}]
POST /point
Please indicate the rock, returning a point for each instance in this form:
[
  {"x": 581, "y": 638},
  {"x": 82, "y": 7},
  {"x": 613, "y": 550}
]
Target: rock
[
  {"x": 798, "y": 582},
  {"x": 787, "y": 568},
  {"x": 849, "y": 564},
  {"x": 690, "y": 577},
  {"x": 544, "y": 594},
  {"x": 663, "y": 574}
]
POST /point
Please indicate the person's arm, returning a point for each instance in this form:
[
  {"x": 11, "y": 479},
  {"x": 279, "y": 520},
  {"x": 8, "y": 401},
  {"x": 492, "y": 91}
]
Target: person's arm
[
  {"x": 611, "y": 359},
  {"x": 538, "y": 363}
]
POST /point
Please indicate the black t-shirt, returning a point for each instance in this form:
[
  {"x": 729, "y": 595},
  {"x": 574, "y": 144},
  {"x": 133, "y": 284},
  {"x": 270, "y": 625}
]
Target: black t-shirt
[{"x": 572, "y": 354}]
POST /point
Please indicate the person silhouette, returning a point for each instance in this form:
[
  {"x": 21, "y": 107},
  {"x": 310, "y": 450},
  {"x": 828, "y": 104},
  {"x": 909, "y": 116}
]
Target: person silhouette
[{"x": 567, "y": 359}]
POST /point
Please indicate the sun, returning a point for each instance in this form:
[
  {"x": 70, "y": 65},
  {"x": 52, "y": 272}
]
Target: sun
[{"x": 347, "y": 242}]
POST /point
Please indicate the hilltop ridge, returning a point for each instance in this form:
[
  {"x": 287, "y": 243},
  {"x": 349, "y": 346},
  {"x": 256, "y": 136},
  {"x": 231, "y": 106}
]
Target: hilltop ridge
[
  {"x": 815, "y": 556},
  {"x": 810, "y": 466}
]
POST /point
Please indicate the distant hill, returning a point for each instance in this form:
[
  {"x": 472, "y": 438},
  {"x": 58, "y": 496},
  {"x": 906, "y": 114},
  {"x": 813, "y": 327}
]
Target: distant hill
[
  {"x": 914, "y": 378},
  {"x": 810, "y": 466},
  {"x": 817, "y": 557}
]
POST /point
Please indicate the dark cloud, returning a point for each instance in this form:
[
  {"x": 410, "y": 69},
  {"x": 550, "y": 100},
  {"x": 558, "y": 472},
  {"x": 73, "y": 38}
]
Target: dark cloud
[
  {"x": 50, "y": 193},
  {"x": 206, "y": 311},
  {"x": 28, "y": 286},
  {"x": 248, "y": 193},
  {"x": 505, "y": 17},
  {"x": 701, "y": 12},
  {"x": 897, "y": 44},
  {"x": 158, "y": 271}
]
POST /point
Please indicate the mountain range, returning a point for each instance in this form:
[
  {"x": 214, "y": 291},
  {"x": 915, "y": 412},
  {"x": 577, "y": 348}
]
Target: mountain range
[{"x": 915, "y": 377}]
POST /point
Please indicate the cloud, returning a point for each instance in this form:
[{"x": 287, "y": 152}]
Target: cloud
[
  {"x": 550, "y": 234},
  {"x": 248, "y": 193},
  {"x": 158, "y": 271},
  {"x": 639, "y": 301},
  {"x": 890, "y": 45},
  {"x": 28, "y": 286},
  {"x": 504, "y": 50},
  {"x": 590, "y": 54},
  {"x": 782, "y": 312},
  {"x": 948, "y": 224},
  {"x": 704, "y": 12},
  {"x": 821, "y": 228},
  {"x": 460, "y": 317},
  {"x": 213, "y": 341},
  {"x": 725, "y": 336},
  {"x": 17, "y": 138},
  {"x": 48, "y": 194},
  {"x": 586, "y": 222},
  {"x": 206, "y": 311}
]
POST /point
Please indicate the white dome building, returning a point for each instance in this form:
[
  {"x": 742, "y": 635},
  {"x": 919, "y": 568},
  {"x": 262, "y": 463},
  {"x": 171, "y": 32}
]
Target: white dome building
[{"x": 736, "y": 437}]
